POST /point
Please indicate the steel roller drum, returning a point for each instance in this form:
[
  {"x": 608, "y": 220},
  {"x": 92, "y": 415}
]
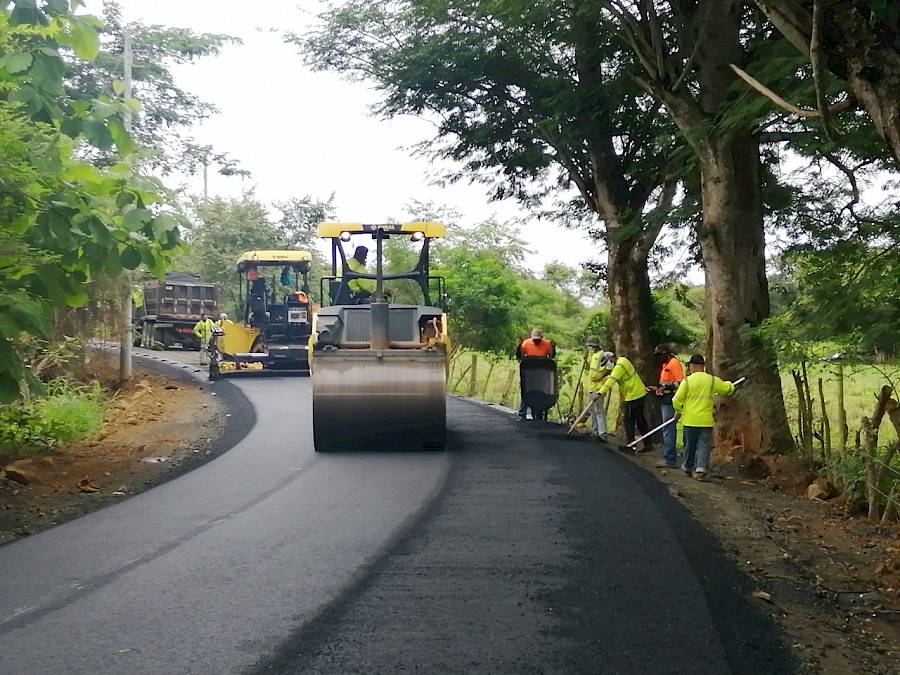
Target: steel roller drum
[{"x": 379, "y": 400}]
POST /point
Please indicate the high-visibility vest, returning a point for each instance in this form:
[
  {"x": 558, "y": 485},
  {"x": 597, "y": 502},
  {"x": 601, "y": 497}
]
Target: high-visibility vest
[
  {"x": 357, "y": 285},
  {"x": 532, "y": 347},
  {"x": 630, "y": 383},
  {"x": 695, "y": 398},
  {"x": 203, "y": 329}
]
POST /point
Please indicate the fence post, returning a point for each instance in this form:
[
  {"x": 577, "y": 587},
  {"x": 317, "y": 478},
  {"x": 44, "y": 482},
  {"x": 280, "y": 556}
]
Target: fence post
[
  {"x": 843, "y": 429},
  {"x": 826, "y": 427},
  {"x": 473, "y": 377},
  {"x": 487, "y": 382},
  {"x": 507, "y": 390}
]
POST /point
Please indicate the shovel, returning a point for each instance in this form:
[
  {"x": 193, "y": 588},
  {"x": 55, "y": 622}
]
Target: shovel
[{"x": 583, "y": 414}]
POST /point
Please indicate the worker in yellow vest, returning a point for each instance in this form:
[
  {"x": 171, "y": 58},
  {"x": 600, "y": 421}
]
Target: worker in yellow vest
[
  {"x": 596, "y": 373},
  {"x": 203, "y": 330},
  {"x": 633, "y": 392},
  {"x": 693, "y": 402},
  {"x": 361, "y": 288}
]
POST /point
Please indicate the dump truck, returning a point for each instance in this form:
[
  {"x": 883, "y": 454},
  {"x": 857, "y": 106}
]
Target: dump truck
[{"x": 165, "y": 312}]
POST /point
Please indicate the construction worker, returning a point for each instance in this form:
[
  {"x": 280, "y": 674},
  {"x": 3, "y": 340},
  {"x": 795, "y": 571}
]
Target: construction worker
[
  {"x": 693, "y": 403},
  {"x": 633, "y": 392},
  {"x": 596, "y": 375},
  {"x": 203, "y": 330},
  {"x": 670, "y": 375},
  {"x": 535, "y": 346},
  {"x": 361, "y": 288}
]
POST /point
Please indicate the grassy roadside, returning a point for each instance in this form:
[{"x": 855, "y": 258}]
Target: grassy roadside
[{"x": 494, "y": 379}]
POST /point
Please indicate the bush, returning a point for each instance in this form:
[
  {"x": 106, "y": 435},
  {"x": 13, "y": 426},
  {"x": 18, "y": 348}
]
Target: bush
[{"x": 69, "y": 412}]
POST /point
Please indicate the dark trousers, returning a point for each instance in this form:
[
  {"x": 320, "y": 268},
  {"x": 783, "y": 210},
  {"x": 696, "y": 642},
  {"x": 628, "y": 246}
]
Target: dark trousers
[{"x": 634, "y": 417}]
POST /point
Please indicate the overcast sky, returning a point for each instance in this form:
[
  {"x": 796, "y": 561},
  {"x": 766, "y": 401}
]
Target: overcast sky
[{"x": 301, "y": 133}]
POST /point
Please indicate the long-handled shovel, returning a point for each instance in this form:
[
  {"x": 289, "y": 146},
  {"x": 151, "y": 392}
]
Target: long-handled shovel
[
  {"x": 577, "y": 386},
  {"x": 583, "y": 414},
  {"x": 667, "y": 422}
]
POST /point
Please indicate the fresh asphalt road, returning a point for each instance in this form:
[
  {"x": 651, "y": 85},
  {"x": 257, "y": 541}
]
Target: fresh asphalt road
[{"x": 514, "y": 551}]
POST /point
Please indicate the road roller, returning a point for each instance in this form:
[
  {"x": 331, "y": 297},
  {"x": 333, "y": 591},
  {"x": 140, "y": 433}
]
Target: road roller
[{"x": 380, "y": 346}]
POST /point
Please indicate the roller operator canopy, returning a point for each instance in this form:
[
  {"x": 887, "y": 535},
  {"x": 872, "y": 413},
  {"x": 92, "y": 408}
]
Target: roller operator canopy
[
  {"x": 429, "y": 230},
  {"x": 273, "y": 259}
]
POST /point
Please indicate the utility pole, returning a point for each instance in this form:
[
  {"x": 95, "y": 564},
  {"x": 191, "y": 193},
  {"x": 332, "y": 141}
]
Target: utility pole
[{"x": 127, "y": 327}]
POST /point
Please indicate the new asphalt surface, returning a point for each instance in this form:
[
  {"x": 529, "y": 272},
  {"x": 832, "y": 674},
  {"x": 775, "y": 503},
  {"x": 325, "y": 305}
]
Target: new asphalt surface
[{"x": 517, "y": 550}]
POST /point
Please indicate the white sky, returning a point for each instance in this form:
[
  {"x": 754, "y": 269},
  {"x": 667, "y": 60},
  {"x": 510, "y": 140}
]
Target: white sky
[{"x": 300, "y": 132}]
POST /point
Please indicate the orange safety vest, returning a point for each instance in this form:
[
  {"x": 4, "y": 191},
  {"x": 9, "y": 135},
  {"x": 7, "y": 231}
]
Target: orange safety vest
[
  {"x": 532, "y": 348},
  {"x": 671, "y": 371}
]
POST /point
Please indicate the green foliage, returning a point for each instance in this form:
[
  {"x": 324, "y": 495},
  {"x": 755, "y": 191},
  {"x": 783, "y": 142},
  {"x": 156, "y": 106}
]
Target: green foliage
[
  {"x": 485, "y": 308},
  {"x": 223, "y": 229},
  {"x": 677, "y": 317},
  {"x": 64, "y": 222},
  {"x": 167, "y": 111},
  {"x": 556, "y": 312},
  {"x": 67, "y": 413},
  {"x": 599, "y": 324}
]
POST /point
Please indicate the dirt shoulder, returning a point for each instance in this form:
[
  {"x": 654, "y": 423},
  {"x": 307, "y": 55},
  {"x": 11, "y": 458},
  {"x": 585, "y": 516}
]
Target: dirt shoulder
[
  {"x": 831, "y": 580},
  {"x": 157, "y": 426}
]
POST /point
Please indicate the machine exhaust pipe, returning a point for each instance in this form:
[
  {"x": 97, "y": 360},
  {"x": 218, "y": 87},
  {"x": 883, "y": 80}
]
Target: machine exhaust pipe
[
  {"x": 379, "y": 309},
  {"x": 379, "y": 316}
]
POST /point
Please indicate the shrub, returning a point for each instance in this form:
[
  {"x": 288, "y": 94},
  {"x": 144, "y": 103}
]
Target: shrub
[{"x": 69, "y": 412}]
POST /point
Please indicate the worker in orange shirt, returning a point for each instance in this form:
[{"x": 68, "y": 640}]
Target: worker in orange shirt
[
  {"x": 671, "y": 374},
  {"x": 537, "y": 346}
]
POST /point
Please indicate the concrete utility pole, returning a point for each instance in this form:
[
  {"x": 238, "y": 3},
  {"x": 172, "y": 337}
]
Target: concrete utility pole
[{"x": 127, "y": 327}]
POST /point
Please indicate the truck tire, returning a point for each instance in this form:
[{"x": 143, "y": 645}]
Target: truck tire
[{"x": 165, "y": 337}]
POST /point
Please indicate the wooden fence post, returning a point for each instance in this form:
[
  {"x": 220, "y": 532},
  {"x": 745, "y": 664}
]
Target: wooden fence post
[
  {"x": 843, "y": 430},
  {"x": 507, "y": 390},
  {"x": 473, "y": 377},
  {"x": 487, "y": 382}
]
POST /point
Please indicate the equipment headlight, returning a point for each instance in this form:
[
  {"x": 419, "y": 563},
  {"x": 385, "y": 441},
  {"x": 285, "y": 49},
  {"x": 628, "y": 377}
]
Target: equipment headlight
[
  {"x": 345, "y": 236},
  {"x": 417, "y": 236}
]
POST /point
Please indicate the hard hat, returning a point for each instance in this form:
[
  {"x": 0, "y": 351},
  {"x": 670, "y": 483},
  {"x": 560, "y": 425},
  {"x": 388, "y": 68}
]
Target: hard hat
[
  {"x": 592, "y": 341},
  {"x": 606, "y": 358},
  {"x": 223, "y": 315}
]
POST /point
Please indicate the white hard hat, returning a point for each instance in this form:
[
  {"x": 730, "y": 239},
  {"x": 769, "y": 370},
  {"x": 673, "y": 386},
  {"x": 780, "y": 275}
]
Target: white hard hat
[{"x": 223, "y": 315}]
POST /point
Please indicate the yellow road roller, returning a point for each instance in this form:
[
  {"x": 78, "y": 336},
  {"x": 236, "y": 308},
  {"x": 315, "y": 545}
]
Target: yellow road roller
[{"x": 379, "y": 366}]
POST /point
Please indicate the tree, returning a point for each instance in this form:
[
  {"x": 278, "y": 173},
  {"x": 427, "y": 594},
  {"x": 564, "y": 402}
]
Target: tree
[
  {"x": 485, "y": 308},
  {"x": 300, "y": 217},
  {"x": 64, "y": 221},
  {"x": 167, "y": 111},
  {"x": 530, "y": 100},
  {"x": 857, "y": 41},
  {"x": 223, "y": 229},
  {"x": 683, "y": 52}
]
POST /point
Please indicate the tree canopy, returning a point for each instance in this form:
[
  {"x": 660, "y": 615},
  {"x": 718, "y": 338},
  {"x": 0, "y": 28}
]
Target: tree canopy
[{"x": 65, "y": 221}]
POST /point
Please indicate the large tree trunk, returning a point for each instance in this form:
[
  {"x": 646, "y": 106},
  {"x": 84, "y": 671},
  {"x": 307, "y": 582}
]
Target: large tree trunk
[
  {"x": 628, "y": 283},
  {"x": 732, "y": 242},
  {"x": 857, "y": 48}
]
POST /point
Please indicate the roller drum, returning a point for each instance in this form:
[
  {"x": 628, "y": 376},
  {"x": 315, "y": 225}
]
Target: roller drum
[{"x": 379, "y": 400}]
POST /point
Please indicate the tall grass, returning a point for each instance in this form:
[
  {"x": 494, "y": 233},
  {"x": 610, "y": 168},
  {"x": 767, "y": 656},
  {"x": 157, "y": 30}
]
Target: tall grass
[
  {"x": 497, "y": 381},
  {"x": 861, "y": 386},
  {"x": 67, "y": 412}
]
